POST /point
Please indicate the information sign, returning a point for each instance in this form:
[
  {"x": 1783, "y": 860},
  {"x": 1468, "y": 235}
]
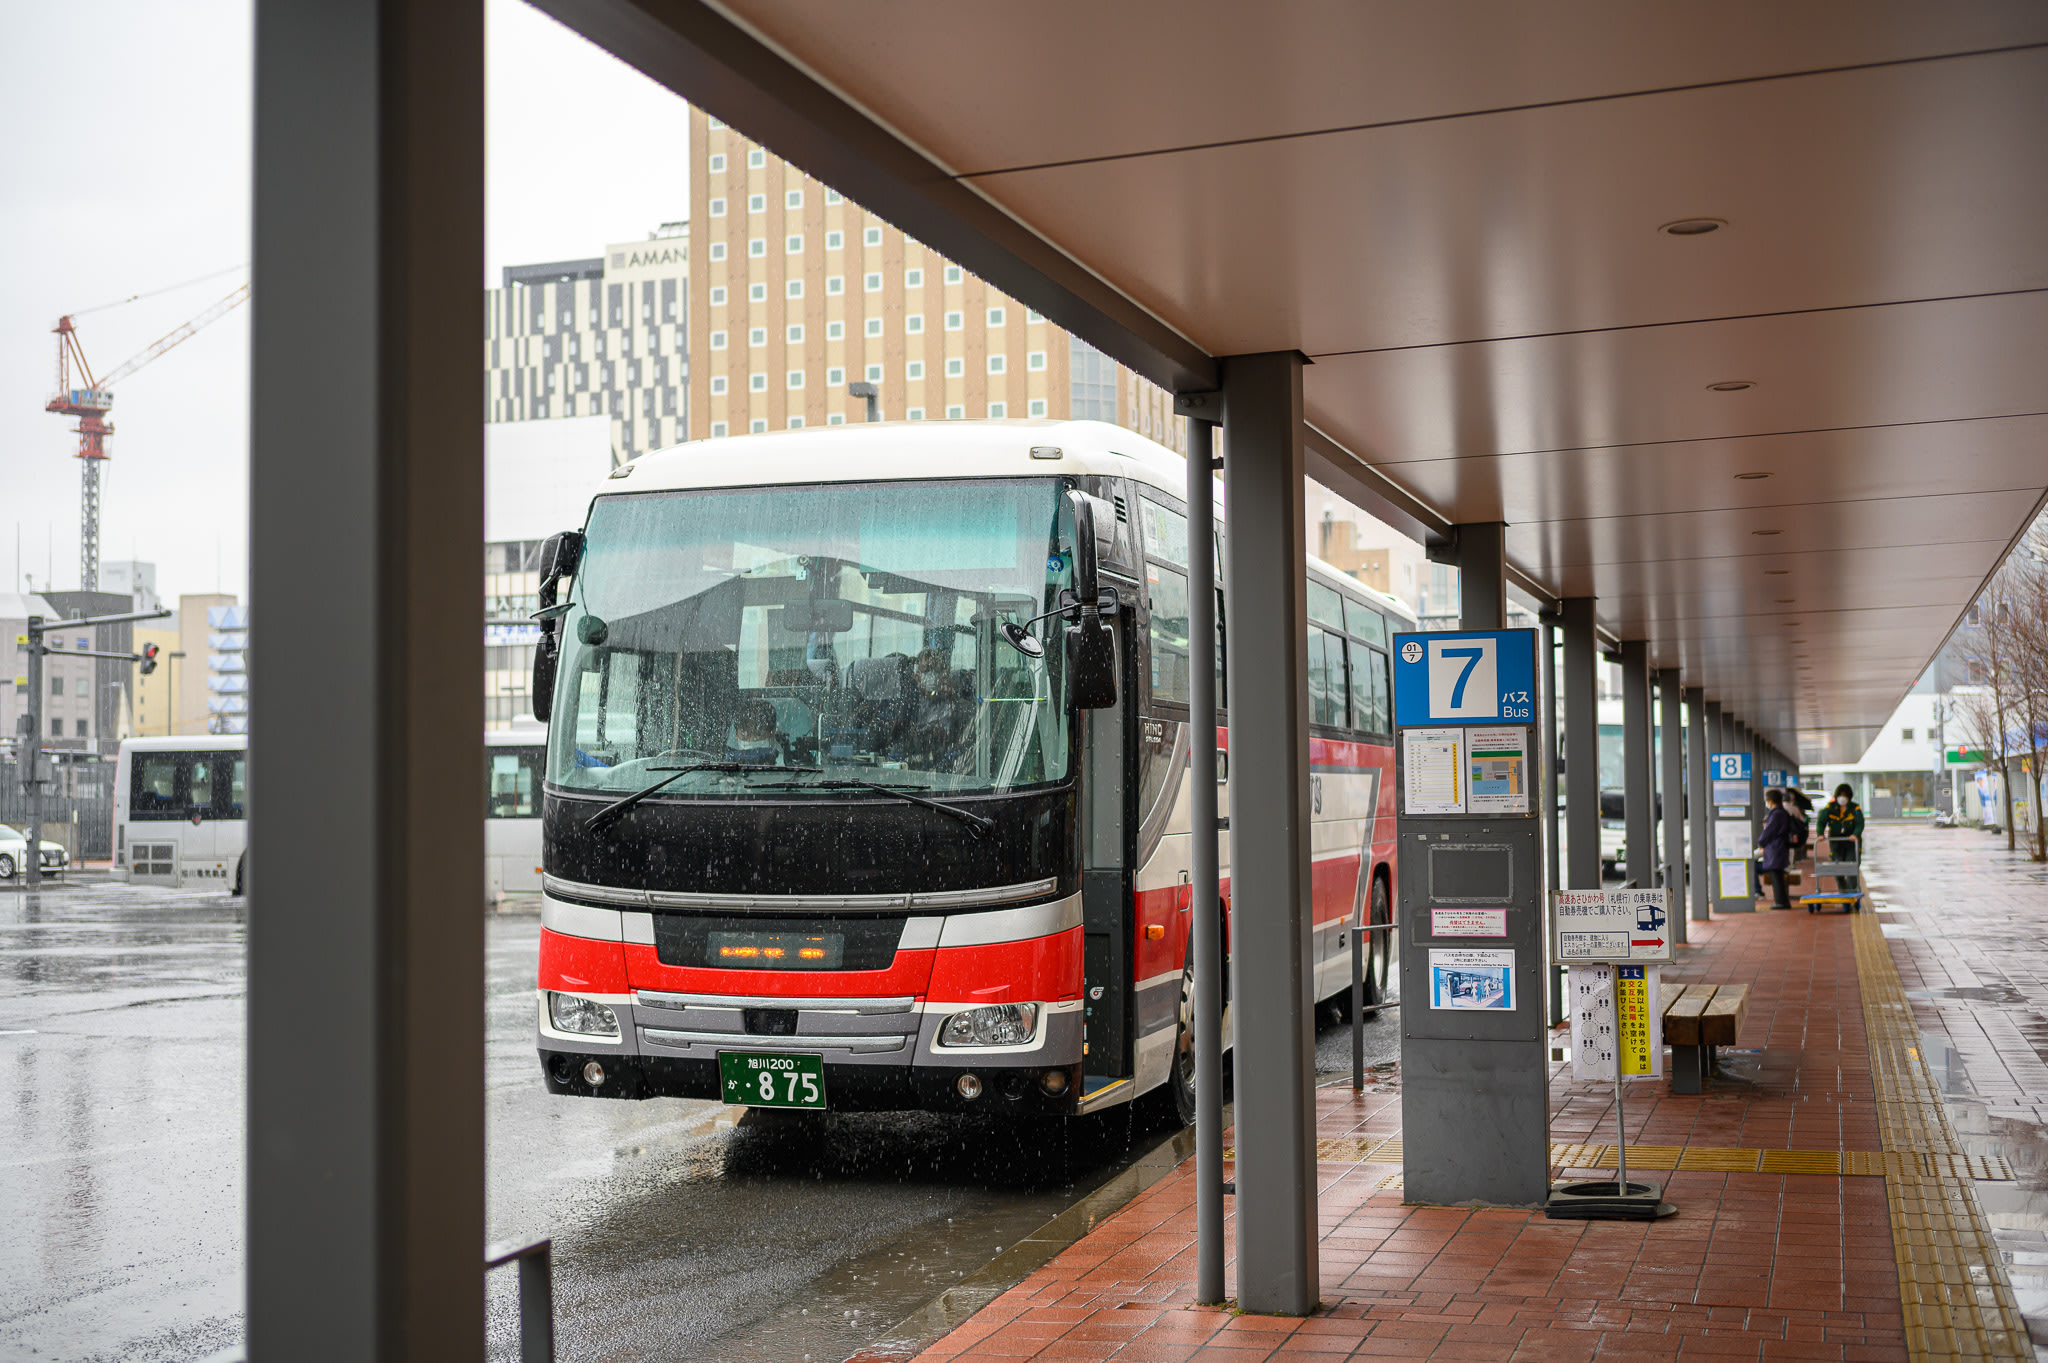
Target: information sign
[
  {"x": 1734, "y": 880},
  {"x": 1432, "y": 767},
  {"x": 1775, "y": 779},
  {"x": 1498, "y": 771},
  {"x": 1470, "y": 980},
  {"x": 1730, "y": 766},
  {"x": 1468, "y": 922},
  {"x": 1731, "y": 839},
  {"x": 1610, "y": 925},
  {"x": 1465, "y": 677},
  {"x": 1637, "y": 1021},
  {"x": 1731, "y": 793},
  {"x": 1616, "y": 1015}
]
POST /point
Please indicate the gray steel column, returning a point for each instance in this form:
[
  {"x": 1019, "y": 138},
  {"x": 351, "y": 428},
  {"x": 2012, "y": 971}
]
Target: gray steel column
[
  {"x": 1638, "y": 790},
  {"x": 366, "y": 1009},
  {"x": 1581, "y": 745},
  {"x": 1697, "y": 791},
  {"x": 1269, "y": 850},
  {"x": 1757, "y": 748},
  {"x": 1482, "y": 575},
  {"x": 1553, "y": 978},
  {"x": 1717, "y": 728},
  {"x": 1206, "y": 928},
  {"x": 1671, "y": 733}
]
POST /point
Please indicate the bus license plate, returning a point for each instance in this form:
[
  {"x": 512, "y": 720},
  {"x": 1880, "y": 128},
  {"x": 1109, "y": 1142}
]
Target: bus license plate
[{"x": 772, "y": 1079}]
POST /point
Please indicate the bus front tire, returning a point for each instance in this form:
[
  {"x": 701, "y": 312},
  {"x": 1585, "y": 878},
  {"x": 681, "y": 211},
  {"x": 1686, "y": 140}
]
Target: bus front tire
[{"x": 1175, "y": 1099}]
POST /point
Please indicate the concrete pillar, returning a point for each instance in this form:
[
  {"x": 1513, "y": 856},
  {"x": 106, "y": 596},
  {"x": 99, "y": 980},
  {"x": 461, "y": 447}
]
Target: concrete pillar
[
  {"x": 1701, "y": 813},
  {"x": 1482, "y": 575},
  {"x": 1671, "y": 783},
  {"x": 1638, "y": 791},
  {"x": 1581, "y": 746},
  {"x": 1207, "y": 930},
  {"x": 1546, "y": 643},
  {"x": 366, "y": 1010},
  {"x": 1269, "y": 861}
]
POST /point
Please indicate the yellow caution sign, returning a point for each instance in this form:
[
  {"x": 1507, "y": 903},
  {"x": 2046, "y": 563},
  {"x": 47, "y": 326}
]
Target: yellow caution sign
[{"x": 1636, "y": 1020}]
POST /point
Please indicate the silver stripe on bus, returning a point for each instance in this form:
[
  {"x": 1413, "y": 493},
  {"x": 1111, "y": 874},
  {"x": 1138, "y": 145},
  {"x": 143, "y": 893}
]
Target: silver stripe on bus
[
  {"x": 865, "y": 1045},
  {"x": 580, "y": 920},
  {"x": 1011, "y": 925},
  {"x": 774, "y": 903},
  {"x": 650, "y": 999}
]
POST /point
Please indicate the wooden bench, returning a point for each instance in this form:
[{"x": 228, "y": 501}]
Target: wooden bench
[{"x": 1697, "y": 1018}]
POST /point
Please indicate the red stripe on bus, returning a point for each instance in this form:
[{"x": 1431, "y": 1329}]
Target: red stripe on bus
[{"x": 580, "y": 963}]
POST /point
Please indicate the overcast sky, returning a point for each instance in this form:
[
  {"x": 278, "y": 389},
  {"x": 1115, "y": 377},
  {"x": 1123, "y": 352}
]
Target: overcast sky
[{"x": 128, "y": 172}]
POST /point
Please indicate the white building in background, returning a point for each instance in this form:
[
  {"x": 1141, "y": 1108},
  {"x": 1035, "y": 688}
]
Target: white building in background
[
  {"x": 1902, "y": 773},
  {"x": 227, "y": 669},
  {"x": 131, "y": 578},
  {"x": 607, "y": 337}
]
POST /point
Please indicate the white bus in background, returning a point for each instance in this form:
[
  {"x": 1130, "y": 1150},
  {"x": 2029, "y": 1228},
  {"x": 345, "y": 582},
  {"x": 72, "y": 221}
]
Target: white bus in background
[
  {"x": 513, "y": 762},
  {"x": 179, "y": 811}
]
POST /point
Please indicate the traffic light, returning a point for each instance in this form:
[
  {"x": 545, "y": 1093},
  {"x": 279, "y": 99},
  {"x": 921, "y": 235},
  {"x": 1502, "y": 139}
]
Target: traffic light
[{"x": 149, "y": 652}]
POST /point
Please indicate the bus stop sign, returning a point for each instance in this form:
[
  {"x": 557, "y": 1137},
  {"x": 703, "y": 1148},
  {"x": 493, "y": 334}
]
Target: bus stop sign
[{"x": 1465, "y": 677}]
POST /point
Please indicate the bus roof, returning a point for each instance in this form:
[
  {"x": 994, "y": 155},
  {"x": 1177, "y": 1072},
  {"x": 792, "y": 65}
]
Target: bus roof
[{"x": 185, "y": 743}]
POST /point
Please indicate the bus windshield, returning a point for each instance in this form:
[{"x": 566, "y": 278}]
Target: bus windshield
[{"x": 847, "y": 628}]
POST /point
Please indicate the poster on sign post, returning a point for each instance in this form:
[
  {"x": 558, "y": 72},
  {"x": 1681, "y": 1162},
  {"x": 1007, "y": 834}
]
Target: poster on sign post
[{"x": 1615, "y": 1015}]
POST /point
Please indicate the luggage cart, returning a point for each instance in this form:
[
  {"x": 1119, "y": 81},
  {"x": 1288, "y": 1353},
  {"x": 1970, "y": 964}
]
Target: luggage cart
[{"x": 1832, "y": 864}]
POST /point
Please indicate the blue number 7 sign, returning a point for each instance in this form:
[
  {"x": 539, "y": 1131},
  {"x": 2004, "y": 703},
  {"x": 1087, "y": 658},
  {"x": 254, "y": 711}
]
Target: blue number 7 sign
[{"x": 1466, "y": 677}]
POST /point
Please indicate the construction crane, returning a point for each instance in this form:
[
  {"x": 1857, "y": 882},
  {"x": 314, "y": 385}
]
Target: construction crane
[{"x": 91, "y": 403}]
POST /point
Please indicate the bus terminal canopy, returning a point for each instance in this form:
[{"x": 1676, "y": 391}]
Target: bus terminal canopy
[{"x": 1588, "y": 268}]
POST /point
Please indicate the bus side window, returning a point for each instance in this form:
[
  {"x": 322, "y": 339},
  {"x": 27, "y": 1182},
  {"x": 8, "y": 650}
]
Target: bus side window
[
  {"x": 200, "y": 796},
  {"x": 155, "y": 785},
  {"x": 238, "y": 782},
  {"x": 1369, "y": 691}
]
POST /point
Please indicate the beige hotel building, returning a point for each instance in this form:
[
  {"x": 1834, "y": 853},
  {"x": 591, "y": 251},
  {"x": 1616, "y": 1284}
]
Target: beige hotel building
[{"x": 798, "y": 292}]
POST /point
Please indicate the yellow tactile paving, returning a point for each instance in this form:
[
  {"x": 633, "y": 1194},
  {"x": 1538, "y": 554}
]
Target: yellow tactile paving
[
  {"x": 1709, "y": 1158},
  {"x": 1952, "y": 1285}
]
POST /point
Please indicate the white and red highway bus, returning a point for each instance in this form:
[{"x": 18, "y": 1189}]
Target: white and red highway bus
[{"x": 866, "y": 772}]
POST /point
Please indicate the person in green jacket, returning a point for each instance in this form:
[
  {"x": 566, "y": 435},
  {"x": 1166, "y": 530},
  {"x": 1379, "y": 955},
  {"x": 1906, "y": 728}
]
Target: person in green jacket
[{"x": 1841, "y": 824}]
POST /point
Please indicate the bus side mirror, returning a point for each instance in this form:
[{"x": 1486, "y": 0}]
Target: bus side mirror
[
  {"x": 1091, "y": 664},
  {"x": 1094, "y": 525},
  {"x": 545, "y": 656},
  {"x": 560, "y": 556}
]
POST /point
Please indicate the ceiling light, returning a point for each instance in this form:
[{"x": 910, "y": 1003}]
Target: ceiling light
[
  {"x": 1785, "y": 600},
  {"x": 1776, "y": 572},
  {"x": 1766, "y": 532},
  {"x": 1731, "y": 385},
  {"x": 1750, "y": 477},
  {"x": 1693, "y": 227}
]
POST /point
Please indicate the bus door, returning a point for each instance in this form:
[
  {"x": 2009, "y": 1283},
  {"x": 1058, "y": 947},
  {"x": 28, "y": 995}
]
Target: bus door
[{"x": 1107, "y": 838}]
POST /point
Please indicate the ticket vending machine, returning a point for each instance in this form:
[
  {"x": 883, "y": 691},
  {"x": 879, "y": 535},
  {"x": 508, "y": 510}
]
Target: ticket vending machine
[
  {"x": 1475, "y": 1111},
  {"x": 1734, "y": 832}
]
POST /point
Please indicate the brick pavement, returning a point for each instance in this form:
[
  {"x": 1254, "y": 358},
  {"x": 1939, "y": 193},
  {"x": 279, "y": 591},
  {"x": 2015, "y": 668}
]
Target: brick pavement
[{"x": 1755, "y": 1265}]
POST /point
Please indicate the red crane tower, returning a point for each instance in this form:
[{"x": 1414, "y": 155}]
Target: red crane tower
[{"x": 91, "y": 403}]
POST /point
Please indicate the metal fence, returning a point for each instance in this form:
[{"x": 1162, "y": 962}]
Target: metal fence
[{"x": 78, "y": 805}]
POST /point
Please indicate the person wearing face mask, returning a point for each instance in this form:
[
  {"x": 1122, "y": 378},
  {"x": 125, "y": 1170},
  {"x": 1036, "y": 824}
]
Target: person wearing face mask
[
  {"x": 1841, "y": 828},
  {"x": 1774, "y": 847}
]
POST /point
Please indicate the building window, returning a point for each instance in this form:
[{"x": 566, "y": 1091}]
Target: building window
[
  {"x": 915, "y": 414},
  {"x": 835, "y": 331},
  {"x": 997, "y": 363},
  {"x": 836, "y": 419},
  {"x": 793, "y": 199},
  {"x": 872, "y": 282},
  {"x": 914, "y": 370},
  {"x": 956, "y": 367},
  {"x": 757, "y": 336},
  {"x": 718, "y": 340},
  {"x": 717, "y": 430},
  {"x": 757, "y": 425},
  {"x": 757, "y": 383},
  {"x": 874, "y": 373},
  {"x": 793, "y": 245},
  {"x": 1038, "y": 406},
  {"x": 998, "y": 409},
  {"x": 1033, "y": 315},
  {"x": 718, "y": 163},
  {"x": 833, "y": 196},
  {"x": 718, "y": 296},
  {"x": 796, "y": 333},
  {"x": 795, "y": 379},
  {"x": 955, "y": 320},
  {"x": 718, "y": 250},
  {"x": 713, "y": 123},
  {"x": 757, "y": 293},
  {"x": 952, "y": 274},
  {"x": 914, "y": 324},
  {"x": 995, "y": 317},
  {"x": 796, "y": 423},
  {"x": 757, "y": 203},
  {"x": 56, "y": 728},
  {"x": 1091, "y": 383},
  {"x": 835, "y": 241},
  {"x": 1905, "y": 735},
  {"x": 872, "y": 237},
  {"x": 756, "y": 158},
  {"x": 718, "y": 208},
  {"x": 793, "y": 289},
  {"x": 1035, "y": 361},
  {"x": 718, "y": 385},
  {"x": 874, "y": 326},
  {"x": 835, "y": 285},
  {"x": 913, "y": 279},
  {"x": 757, "y": 247},
  {"x": 834, "y": 377},
  {"x": 955, "y": 412}
]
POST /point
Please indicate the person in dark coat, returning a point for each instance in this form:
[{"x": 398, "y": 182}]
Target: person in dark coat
[
  {"x": 1801, "y": 810},
  {"x": 1775, "y": 847},
  {"x": 1840, "y": 834}
]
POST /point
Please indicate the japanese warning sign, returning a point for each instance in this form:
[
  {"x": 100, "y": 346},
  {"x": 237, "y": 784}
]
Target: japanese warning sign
[{"x": 1611, "y": 925}]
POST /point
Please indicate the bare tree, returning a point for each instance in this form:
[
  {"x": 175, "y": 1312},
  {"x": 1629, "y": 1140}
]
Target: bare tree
[
  {"x": 2026, "y": 642},
  {"x": 1986, "y": 713}
]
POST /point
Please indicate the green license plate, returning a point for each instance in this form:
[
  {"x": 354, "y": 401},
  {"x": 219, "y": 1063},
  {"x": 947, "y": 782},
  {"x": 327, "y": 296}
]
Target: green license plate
[{"x": 771, "y": 1079}]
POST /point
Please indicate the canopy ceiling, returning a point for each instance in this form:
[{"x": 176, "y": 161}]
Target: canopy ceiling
[{"x": 1455, "y": 211}]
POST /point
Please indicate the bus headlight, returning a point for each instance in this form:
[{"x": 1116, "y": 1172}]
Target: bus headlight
[
  {"x": 1000, "y": 1024},
  {"x": 585, "y": 1016}
]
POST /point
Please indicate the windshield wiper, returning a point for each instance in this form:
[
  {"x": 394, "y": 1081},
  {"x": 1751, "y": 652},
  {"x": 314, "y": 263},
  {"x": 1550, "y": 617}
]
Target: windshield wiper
[
  {"x": 981, "y": 823},
  {"x": 617, "y": 809}
]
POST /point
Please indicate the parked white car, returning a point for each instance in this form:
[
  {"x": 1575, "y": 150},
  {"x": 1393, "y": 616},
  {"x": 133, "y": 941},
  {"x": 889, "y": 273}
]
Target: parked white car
[{"x": 14, "y": 854}]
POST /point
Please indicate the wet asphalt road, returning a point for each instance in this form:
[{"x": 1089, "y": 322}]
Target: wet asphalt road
[{"x": 678, "y": 1235}]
